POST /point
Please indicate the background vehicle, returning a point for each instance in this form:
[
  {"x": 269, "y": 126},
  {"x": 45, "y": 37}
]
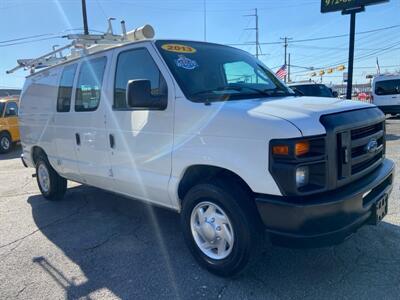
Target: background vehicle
[
  {"x": 386, "y": 93},
  {"x": 209, "y": 131},
  {"x": 9, "y": 128},
  {"x": 364, "y": 96},
  {"x": 313, "y": 89}
]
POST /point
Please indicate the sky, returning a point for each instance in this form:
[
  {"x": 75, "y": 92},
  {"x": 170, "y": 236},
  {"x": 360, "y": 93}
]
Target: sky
[{"x": 226, "y": 23}]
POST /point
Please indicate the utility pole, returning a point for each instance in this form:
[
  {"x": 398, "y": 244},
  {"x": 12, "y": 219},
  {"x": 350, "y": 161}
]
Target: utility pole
[
  {"x": 84, "y": 15},
  {"x": 256, "y": 28},
  {"x": 205, "y": 19},
  {"x": 285, "y": 45},
  {"x": 257, "y": 36},
  {"x": 289, "y": 80}
]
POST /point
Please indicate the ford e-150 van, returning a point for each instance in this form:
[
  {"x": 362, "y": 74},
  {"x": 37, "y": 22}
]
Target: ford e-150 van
[{"x": 208, "y": 131}]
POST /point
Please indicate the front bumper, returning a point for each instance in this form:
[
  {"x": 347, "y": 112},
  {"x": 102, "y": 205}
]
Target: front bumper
[{"x": 326, "y": 218}]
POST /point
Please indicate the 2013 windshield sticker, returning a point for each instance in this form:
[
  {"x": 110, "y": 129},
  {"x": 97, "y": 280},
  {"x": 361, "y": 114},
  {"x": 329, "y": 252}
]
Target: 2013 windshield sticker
[
  {"x": 178, "y": 48},
  {"x": 186, "y": 63}
]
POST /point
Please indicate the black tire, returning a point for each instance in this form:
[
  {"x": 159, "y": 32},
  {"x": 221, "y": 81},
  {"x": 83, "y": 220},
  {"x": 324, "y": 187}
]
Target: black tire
[
  {"x": 57, "y": 185},
  {"x": 243, "y": 215},
  {"x": 5, "y": 142}
]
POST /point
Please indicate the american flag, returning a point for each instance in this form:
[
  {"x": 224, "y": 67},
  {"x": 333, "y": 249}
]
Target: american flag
[{"x": 282, "y": 72}]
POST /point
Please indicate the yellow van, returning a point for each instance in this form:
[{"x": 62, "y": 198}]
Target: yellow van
[{"x": 9, "y": 128}]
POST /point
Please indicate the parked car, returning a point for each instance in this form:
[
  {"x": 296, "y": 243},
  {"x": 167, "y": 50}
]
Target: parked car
[
  {"x": 9, "y": 129},
  {"x": 364, "y": 96},
  {"x": 210, "y": 132},
  {"x": 386, "y": 93},
  {"x": 313, "y": 89}
]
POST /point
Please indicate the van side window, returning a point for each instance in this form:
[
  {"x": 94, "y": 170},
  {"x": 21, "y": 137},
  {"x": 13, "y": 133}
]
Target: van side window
[
  {"x": 88, "y": 90},
  {"x": 65, "y": 88},
  {"x": 11, "y": 109},
  {"x": 137, "y": 64}
]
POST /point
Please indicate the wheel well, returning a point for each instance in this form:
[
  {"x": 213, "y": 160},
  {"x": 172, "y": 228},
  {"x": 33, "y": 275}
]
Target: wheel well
[
  {"x": 201, "y": 173},
  {"x": 36, "y": 152},
  {"x": 6, "y": 132}
]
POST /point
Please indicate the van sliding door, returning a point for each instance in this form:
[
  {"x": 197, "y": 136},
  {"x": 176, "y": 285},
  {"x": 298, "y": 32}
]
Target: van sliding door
[{"x": 89, "y": 121}]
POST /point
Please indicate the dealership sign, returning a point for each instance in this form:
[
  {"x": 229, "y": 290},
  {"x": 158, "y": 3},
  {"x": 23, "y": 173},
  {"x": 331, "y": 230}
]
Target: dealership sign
[{"x": 342, "y": 5}]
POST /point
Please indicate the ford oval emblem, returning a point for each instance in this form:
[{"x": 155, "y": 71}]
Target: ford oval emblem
[{"x": 372, "y": 146}]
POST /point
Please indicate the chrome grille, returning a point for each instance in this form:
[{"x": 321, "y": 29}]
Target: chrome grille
[{"x": 360, "y": 149}]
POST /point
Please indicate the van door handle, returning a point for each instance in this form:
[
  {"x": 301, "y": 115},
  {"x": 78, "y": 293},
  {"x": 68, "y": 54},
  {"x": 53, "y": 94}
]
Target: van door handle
[
  {"x": 112, "y": 141},
  {"x": 78, "y": 139}
]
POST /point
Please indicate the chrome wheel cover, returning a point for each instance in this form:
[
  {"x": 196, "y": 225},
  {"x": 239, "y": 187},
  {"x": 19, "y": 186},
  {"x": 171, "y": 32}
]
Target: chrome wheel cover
[
  {"x": 212, "y": 230},
  {"x": 43, "y": 178}
]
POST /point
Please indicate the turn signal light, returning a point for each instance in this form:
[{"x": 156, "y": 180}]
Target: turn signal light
[
  {"x": 280, "y": 150},
  {"x": 302, "y": 148}
]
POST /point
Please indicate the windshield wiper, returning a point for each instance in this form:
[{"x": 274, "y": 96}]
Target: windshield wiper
[{"x": 230, "y": 87}]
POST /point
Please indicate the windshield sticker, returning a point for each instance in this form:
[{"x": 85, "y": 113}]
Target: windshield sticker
[
  {"x": 178, "y": 48},
  {"x": 186, "y": 63}
]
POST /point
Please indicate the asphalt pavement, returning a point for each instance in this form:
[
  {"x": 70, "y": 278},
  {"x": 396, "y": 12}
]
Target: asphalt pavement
[{"x": 96, "y": 245}]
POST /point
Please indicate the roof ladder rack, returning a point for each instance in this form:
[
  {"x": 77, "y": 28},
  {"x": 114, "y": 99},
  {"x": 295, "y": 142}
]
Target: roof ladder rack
[{"x": 84, "y": 44}]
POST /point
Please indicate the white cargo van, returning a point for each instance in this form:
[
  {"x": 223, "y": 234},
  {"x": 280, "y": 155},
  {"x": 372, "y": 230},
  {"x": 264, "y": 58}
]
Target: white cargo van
[
  {"x": 208, "y": 131},
  {"x": 386, "y": 93}
]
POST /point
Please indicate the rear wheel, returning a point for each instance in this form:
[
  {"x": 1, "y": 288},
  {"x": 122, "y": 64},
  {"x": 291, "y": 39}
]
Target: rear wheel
[
  {"x": 5, "y": 142},
  {"x": 221, "y": 226},
  {"x": 51, "y": 185}
]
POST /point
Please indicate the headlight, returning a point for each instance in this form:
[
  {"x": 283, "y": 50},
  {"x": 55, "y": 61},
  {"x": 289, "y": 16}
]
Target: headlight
[
  {"x": 299, "y": 165},
  {"x": 302, "y": 176}
]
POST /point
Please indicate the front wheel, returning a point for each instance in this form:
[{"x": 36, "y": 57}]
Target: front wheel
[
  {"x": 5, "y": 143},
  {"x": 51, "y": 185},
  {"x": 220, "y": 227}
]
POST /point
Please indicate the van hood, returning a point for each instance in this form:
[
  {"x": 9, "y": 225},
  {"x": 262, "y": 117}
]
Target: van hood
[{"x": 305, "y": 112}]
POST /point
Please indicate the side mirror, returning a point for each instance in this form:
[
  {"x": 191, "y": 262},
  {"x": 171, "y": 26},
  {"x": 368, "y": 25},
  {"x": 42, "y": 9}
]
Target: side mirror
[
  {"x": 11, "y": 112},
  {"x": 297, "y": 92},
  {"x": 139, "y": 96},
  {"x": 335, "y": 94}
]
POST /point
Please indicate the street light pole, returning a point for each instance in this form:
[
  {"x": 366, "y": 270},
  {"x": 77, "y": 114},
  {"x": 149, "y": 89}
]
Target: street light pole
[{"x": 351, "y": 55}]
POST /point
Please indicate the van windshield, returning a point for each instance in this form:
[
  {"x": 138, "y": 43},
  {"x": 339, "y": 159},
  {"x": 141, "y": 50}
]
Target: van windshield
[
  {"x": 210, "y": 72},
  {"x": 387, "y": 87}
]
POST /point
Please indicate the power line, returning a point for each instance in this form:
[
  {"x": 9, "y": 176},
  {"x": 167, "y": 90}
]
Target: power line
[
  {"x": 32, "y": 41},
  {"x": 55, "y": 35},
  {"x": 323, "y": 37}
]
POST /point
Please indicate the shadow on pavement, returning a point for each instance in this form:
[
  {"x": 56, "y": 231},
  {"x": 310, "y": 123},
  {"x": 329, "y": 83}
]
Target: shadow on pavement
[
  {"x": 15, "y": 153},
  {"x": 137, "y": 251},
  {"x": 392, "y": 137}
]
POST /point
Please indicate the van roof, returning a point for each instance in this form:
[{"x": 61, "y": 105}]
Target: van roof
[
  {"x": 115, "y": 47},
  {"x": 386, "y": 77}
]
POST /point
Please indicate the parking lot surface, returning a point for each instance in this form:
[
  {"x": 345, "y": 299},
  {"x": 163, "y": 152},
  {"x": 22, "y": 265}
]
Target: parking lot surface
[{"x": 96, "y": 245}]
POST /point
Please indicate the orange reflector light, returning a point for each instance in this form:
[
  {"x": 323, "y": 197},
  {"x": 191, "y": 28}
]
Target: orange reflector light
[
  {"x": 302, "y": 148},
  {"x": 280, "y": 150}
]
